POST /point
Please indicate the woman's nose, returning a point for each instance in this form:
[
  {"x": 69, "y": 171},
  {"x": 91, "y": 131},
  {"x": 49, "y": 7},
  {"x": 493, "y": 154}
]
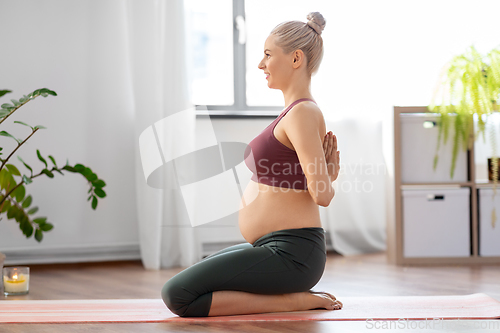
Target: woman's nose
[{"x": 260, "y": 66}]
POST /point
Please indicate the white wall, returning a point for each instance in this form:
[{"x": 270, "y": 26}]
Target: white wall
[{"x": 47, "y": 44}]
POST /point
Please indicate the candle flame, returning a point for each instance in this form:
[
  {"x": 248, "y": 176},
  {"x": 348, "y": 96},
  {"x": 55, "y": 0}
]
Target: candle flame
[{"x": 14, "y": 277}]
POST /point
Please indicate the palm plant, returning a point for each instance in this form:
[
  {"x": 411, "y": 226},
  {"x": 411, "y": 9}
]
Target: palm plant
[
  {"x": 14, "y": 203},
  {"x": 469, "y": 88}
]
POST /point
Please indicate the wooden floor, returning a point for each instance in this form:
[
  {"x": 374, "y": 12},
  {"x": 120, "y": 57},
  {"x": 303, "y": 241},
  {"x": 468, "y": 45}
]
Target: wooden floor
[{"x": 363, "y": 275}]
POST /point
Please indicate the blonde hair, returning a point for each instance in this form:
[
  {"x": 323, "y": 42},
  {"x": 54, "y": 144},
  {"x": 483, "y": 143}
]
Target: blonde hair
[{"x": 297, "y": 35}]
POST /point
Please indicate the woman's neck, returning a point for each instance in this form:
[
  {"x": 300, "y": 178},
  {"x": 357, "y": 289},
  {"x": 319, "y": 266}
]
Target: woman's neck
[
  {"x": 289, "y": 99},
  {"x": 296, "y": 90}
]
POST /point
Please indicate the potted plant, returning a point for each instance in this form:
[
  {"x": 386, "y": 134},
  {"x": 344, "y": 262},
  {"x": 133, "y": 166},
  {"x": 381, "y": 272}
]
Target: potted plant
[
  {"x": 469, "y": 88},
  {"x": 14, "y": 202}
]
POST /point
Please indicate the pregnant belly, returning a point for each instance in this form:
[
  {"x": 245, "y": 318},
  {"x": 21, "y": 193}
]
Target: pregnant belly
[{"x": 264, "y": 209}]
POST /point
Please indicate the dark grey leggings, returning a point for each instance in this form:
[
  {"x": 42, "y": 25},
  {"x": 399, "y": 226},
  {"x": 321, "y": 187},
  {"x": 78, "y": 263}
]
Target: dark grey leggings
[{"x": 284, "y": 261}]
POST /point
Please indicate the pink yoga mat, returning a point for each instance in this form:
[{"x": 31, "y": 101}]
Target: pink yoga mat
[{"x": 474, "y": 306}]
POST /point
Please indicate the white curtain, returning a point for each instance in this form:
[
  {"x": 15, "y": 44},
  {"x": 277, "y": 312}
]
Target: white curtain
[
  {"x": 156, "y": 34},
  {"x": 356, "y": 217},
  {"x": 119, "y": 68}
]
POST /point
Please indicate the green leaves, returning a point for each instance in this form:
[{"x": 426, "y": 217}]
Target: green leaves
[
  {"x": 4, "y": 133},
  {"x": 469, "y": 88},
  {"x": 27, "y": 201},
  {"x": 26, "y": 225},
  {"x": 96, "y": 184},
  {"x": 40, "y": 220},
  {"x": 44, "y": 92},
  {"x": 46, "y": 227},
  {"x": 7, "y": 181},
  {"x": 7, "y": 108},
  {"x": 15, "y": 203},
  {"x": 20, "y": 122},
  {"x": 3, "y": 92},
  {"x": 99, "y": 183},
  {"x": 13, "y": 170},
  {"x": 33, "y": 210},
  {"x": 5, "y": 206},
  {"x": 41, "y": 158},
  {"x": 38, "y": 235},
  {"x": 94, "y": 203},
  {"x": 27, "y": 166},
  {"x": 27, "y": 180},
  {"x": 48, "y": 173},
  {"x": 53, "y": 161},
  {"x": 19, "y": 193},
  {"x": 100, "y": 193}
]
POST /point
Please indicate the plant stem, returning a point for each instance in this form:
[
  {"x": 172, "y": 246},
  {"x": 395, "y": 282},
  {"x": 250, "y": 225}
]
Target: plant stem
[
  {"x": 22, "y": 182},
  {"x": 17, "y": 107},
  {"x": 13, "y": 189},
  {"x": 11, "y": 112},
  {"x": 19, "y": 145}
]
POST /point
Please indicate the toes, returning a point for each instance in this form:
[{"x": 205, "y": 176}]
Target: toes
[{"x": 336, "y": 305}]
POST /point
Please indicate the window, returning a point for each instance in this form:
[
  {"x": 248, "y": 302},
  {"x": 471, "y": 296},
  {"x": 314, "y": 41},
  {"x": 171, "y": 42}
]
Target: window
[
  {"x": 217, "y": 48},
  {"x": 377, "y": 54},
  {"x": 210, "y": 50},
  {"x": 225, "y": 42}
]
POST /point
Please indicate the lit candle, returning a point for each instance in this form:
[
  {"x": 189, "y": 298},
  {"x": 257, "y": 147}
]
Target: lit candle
[{"x": 16, "y": 280}]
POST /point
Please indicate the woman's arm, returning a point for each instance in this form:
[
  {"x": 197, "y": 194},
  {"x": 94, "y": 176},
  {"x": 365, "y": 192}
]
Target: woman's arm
[{"x": 303, "y": 128}]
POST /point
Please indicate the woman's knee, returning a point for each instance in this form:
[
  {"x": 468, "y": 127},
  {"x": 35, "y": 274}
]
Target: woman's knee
[
  {"x": 170, "y": 294},
  {"x": 184, "y": 302}
]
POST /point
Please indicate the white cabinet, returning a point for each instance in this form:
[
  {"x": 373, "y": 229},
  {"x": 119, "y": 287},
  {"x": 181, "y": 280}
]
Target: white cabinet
[
  {"x": 436, "y": 222},
  {"x": 438, "y": 219},
  {"x": 419, "y": 134},
  {"x": 489, "y": 233}
]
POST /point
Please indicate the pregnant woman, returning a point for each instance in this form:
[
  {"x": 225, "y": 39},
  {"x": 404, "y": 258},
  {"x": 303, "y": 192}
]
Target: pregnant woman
[{"x": 294, "y": 162}]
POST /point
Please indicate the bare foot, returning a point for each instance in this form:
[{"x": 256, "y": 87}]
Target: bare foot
[
  {"x": 333, "y": 298},
  {"x": 314, "y": 300}
]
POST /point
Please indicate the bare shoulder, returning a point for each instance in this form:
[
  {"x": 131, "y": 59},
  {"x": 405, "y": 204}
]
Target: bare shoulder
[
  {"x": 306, "y": 108},
  {"x": 307, "y": 114}
]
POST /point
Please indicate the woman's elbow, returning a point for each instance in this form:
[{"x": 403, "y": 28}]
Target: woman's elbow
[
  {"x": 324, "y": 202},
  {"x": 325, "y": 197}
]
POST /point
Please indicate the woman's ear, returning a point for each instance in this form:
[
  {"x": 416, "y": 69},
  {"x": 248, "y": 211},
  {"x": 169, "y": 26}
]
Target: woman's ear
[{"x": 298, "y": 58}]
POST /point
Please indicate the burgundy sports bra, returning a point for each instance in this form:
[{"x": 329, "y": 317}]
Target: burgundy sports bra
[{"x": 271, "y": 162}]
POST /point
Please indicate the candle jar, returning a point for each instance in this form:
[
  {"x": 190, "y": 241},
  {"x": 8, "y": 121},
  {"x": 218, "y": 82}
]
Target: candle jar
[{"x": 16, "y": 280}]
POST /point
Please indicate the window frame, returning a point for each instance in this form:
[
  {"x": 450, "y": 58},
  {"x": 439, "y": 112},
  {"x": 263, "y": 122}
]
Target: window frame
[{"x": 239, "y": 107}]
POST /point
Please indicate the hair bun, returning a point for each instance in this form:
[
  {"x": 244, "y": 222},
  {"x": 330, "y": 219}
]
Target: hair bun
[{"x": 316, "y": 21}]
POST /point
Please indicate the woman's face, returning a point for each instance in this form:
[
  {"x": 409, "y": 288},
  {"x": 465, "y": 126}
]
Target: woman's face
[{"x": 276, "y": 65}]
